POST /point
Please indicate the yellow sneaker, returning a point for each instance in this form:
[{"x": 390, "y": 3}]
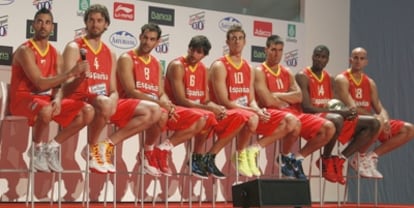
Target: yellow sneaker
[
  {"x": 252, "y": 153},
  {"x": 242, "y": 164}
]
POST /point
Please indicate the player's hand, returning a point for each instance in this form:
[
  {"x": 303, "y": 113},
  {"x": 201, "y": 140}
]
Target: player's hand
[
  {"x": 81, "y": 67},
  {"x": 263, "y": 115},
  {"x": 56, "y": 107}
]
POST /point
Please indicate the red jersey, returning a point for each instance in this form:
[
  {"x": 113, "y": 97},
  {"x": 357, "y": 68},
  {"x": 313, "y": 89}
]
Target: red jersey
[
  {"x": 237, "y": 81},
  {"x": 320, "y": 89},
  {"x": 194, "y": 82},
  {"x": 97, "y": 81},
  {"x": 20, "y": 83},
  {"x": 360, "y": 90},
  {"x": 146, "y": 75},
  {"x": 279, "y": 81}
]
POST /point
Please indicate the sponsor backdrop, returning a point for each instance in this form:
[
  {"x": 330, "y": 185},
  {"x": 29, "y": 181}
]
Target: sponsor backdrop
[{"x": 178, "y": 25}]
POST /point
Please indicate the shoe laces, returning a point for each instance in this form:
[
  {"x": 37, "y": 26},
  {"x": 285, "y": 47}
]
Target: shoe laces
[
  {"x": 108, "y": 153},
  {"x": 149, "y": 156},
  {"x": 95, "y": 154},
  {"x": 163, "y": 158}
]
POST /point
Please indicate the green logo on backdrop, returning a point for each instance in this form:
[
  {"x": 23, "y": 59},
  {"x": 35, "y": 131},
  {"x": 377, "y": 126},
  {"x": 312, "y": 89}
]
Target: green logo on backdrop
[
  {"x": 84, "y": 5},
  {"x": 291, "y": 31}
]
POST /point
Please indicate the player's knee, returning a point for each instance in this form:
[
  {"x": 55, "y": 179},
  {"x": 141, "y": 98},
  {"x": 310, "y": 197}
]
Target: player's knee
[
  {"x": 45, "y": 114},
  {"x": 292, "y": 123},
  {"x": 330, "y": 129},
  {"x": 252, "y": 123},
  {"x": 88, "y": 113}
]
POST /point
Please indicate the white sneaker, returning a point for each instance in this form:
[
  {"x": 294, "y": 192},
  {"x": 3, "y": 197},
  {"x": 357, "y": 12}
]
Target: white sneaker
[
  {"x": 109, "y": 150},
  {"x": 53, "y": 160},
  {"x": 39, "y": 158},
  {"x": 374, "y": 171},
  {"x": 363, "y": 166},
  {"x": 97, "y": 159}
]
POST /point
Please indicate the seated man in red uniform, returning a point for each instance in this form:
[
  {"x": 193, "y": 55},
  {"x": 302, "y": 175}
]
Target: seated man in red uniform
[
  {"x": 140, "y": 76},
  {"x": 358, "y": 91},
  {"x": 276, "y": 88},
  {"x": 317, "y": 90},
  {"x": 186, "y": 84},
  {"x": 232, "y": 85},
  {"x": 97, "y": 86},
  {"x": 36, "y": 94}
]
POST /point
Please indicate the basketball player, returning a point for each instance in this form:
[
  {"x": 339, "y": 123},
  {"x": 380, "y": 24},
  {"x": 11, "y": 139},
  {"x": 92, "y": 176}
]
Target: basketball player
[
  {"x": 318, "y": 88},
  {"x": 359, "y": 91}
]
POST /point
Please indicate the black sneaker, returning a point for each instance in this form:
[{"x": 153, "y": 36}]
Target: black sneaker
[
  {"x": 297, "y": 167},
  {"x": 198, "y": 168},
  {"x": 286, "y": 164},
  {"x": 209, "y": 161}
]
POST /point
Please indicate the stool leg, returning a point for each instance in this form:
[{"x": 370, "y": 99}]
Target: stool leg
[{"x": 30, "y": 183}]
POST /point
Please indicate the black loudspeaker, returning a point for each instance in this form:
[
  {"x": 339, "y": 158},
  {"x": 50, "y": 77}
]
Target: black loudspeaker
[{"x": 271, "y": 192}]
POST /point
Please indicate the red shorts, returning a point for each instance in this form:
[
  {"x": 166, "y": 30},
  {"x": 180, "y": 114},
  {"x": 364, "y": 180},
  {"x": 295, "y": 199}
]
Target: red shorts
[
  {"x": 396, "y": 126},
  {"x": 29, "y": 106},
  {"x": 267, "y": 128},
  {"x": 233, "y": 120},
  {"x": 311, "y": 124},
  {"x": 348, "y": 129},
  {"x": 186, "y": 118},
  {"x": 125, "y": 110},
  {"x": 211, "y": 120}
]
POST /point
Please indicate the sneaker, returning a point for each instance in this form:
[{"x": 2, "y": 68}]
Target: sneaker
[
  {"x": 374, "y": 171},
  {"x": 286, "y": 166},
  {"x": 109, "y": 151},
  {"x": 39, "y": 159},
  {"x": 209, "y": 161},
  {"x": 53, "y": 160},
  {"x": 96, "y": 161},
  {"x": 363, "y": 166},
  {"x": 198, "y": 168},
  {"x": 151, "y": 164},
  {"x": 162, "y": 156},
  {"x": 328, "y": 168},
  {"x": 242, "y": 164},
  {"x": 339, "y": 167},
  {"x": 252, "y": 153},
  {"x": 298, "y": 169}
]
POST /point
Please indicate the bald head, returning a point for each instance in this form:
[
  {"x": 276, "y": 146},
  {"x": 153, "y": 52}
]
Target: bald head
[{"x": 359, "y": 50}]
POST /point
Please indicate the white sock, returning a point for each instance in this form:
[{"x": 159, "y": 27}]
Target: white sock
[
  {"x": 53, "y": 143},
  {"x": 299, "y": 157},
  {"x": 166, "y": 145}
]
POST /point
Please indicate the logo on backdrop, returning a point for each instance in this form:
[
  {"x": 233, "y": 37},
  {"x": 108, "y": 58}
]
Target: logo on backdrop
[
  {"x": 227, "y": 22},
  {"x": 161, "y": 16},
  {"x": 164, "y": 44},
  {"x": 6, "y": 55},
  {"x": 123, "y": 40},
  {"x": 3, "y": 25},
  {"x": 30, "y": 31},
  {"x": 258, "y": 54},
  {"x": 83, "y": 5},
  {"x": 124, "y": 11},
  {"x": 6, "y": 2},
  {"x": 262, "y": 29},
  {"x": 43, "y": 4},
  {"x": 291, "y": 33},
  {"x": 291, "y": 58},
  {"x": 196, "y": 21}
]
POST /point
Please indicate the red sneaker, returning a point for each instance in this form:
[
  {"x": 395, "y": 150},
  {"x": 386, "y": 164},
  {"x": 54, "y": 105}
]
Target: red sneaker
[
  {"x": 150, "y": 163},
  {"x": 328, "y": 169},
  {"x": 339, "y": 166},
  {"x": 162, "y": 156}
]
